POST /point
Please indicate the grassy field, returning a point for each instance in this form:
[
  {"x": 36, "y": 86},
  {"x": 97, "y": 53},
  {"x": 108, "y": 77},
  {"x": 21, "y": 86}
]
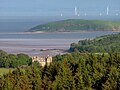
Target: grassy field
[
  {"x": 78, "y": 25},
  {"x": 5, "y": 71}
]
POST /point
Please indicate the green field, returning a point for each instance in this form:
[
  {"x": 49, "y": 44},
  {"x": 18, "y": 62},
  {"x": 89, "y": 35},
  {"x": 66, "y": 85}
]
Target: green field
[
  {"x": 78, "y": 25},
  {"x": 5, "y": 71}
]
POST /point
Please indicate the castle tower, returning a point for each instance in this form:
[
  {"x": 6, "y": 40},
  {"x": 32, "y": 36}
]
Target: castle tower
[
  {"x": 48, "y": 60},
  {"x": 42, "y": 62}
]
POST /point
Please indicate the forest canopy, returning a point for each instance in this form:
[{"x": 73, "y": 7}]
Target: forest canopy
[
  {"x": 73, "y": 71},
  {"x": 103, "y": 44},
  {"x": 13, "y": 61}
]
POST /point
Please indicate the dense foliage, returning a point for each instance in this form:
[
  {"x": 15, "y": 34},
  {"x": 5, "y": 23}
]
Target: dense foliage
[
  {"x": 68, "y": 72},
  {"x": 108, "y": 43},
  {"x": 12, "y": 61},
  {"x": 77, "y": 25}
]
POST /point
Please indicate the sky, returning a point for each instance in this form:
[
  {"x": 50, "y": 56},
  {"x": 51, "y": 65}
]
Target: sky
[
  {"x": 21, "y": 15},
  {"x": 57, "y": 7}
]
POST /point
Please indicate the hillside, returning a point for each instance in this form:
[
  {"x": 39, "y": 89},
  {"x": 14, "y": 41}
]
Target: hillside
[
  {"x": 107, "y": 43},
  {"x": 77, "y": 25}
]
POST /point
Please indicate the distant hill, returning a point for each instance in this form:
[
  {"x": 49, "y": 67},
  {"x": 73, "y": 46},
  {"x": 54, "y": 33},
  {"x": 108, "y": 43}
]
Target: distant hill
[
  {"x": 77, "y": 25},
  {"x": 103, "y": 44}
]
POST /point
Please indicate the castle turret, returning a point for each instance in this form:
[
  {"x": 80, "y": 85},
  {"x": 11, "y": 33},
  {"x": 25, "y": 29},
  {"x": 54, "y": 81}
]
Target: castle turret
[{"x": 48, "y": 60}]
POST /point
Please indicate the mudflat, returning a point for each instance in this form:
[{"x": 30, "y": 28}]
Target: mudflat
[
  {"x": 43, "y": 43},
  {"x": 41, "y": 47}
]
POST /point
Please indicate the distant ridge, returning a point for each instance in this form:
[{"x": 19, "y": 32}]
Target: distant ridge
[{"x": 72, "y": 25}]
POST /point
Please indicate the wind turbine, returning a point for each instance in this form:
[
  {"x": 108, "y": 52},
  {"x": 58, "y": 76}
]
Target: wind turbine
[
  {"x": 107, "y": 10},
  {"x": 61, "y": 14},
  {"x": 100, "y": 14},
  {"x": 75, "y": 11}
]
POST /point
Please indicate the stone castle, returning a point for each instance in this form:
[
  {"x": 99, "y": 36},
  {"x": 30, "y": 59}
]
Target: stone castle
[{"x": 42, "y": 60}]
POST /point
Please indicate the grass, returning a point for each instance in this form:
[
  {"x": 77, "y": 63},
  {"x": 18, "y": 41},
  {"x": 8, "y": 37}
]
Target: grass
[
  {"x": 5, "y": 71},
  {"x": 78, "y": 24}
]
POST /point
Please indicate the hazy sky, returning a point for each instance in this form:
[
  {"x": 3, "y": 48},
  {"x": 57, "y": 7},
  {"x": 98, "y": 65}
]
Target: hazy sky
[
  {"x": 56, "y": 7},
  {"x": 20, "y": 15}
]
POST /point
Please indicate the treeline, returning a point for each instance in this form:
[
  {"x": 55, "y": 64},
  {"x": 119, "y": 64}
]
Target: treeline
[
  {"x": 103, "y": 44},
  {"x": 68, "y": 72},
  {"x": 13, "y": 61}
]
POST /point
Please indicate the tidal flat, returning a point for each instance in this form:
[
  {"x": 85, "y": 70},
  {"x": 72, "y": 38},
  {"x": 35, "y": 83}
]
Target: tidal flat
[
  {"x": 36, "y": 46},
  {"x": 43, "y": 44}
]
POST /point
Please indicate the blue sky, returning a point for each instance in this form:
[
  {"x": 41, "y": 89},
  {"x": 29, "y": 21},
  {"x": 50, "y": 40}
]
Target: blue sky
[{"x": 56, "y": 7}]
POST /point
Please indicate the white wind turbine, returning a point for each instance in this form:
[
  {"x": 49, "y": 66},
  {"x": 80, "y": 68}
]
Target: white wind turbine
[
  {"x": 76, "y": 11},
  {"x": 107, "y": 10}
]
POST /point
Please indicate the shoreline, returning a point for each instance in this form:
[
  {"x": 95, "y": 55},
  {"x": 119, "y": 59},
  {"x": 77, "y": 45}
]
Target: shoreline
[
  {"x": 76, "y": 31},
  {"x": 38, "y": 52},
  {"x": 35, "y": 47},
  {"x": 42, "y": 32}
]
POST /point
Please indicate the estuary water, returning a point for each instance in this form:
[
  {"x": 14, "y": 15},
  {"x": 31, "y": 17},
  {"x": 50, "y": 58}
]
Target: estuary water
[
  {"x": 32, "y": 44},
  {"x": 59, "y": 35}
]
